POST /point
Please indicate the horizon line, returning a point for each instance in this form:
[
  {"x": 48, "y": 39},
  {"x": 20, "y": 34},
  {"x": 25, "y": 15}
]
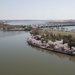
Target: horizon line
[{"x": 38, "y": 19}]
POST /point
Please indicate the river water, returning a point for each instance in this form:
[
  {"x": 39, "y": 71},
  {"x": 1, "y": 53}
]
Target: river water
[
  {"x": 27, "y": 22},
  {"x": 19, "y": 58},
  {"x": 35, "y": 22}
]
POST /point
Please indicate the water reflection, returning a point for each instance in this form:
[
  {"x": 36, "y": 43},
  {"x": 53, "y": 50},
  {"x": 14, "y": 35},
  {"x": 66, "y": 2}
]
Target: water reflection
[
  {"x": 62, "y": 56},
  {"x": 10, "y": 33},
  {"x": 18, "y": 58}
]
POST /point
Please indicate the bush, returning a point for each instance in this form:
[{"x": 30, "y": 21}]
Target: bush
[{"x": 71, "y": 44}]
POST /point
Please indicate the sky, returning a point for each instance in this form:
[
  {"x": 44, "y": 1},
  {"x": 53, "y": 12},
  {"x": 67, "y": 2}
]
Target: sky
[{"x": 37, "y": 9}]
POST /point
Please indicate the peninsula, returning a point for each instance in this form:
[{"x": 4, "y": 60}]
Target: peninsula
[{"x": 61, "y": 42}]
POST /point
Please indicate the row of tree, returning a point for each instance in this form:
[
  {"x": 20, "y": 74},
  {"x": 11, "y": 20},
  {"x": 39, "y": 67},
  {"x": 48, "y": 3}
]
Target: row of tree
[{"x": 46, "y": 35}]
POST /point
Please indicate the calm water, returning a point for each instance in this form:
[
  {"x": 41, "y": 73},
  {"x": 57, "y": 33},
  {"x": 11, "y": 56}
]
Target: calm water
[
  {"x": 34, "y": 22},
  {"x": 28, "y": 22},
  {"x": 70, "y": 27},
  {"x": 18, "y": 58}
]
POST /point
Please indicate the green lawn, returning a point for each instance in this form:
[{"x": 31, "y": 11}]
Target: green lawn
[{"x": 59, "y": 32}]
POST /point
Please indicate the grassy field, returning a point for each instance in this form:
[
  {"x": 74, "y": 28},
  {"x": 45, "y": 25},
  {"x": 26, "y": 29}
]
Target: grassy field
[{"x": 59, "y": 32}]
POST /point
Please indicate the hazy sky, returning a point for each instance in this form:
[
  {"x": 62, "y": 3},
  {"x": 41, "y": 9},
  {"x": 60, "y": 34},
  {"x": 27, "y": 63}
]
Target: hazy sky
[{"x": 37, "y": 9}]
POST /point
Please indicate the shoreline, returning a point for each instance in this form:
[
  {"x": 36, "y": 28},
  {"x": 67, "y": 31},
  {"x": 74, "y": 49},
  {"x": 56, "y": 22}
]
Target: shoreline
[
  {"x": 7, "y": 27},
  {"x": 45, "y": 47},
  {"x": 57, "y": 41}
]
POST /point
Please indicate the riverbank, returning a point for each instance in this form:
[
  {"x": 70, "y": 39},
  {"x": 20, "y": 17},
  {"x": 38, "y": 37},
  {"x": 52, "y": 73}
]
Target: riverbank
[
  {"x": 63, "y": 42},
  {"x": 7, "y": 27},
  {"x": 56, "y": 46},
  {"x": 19, "y": 58}
]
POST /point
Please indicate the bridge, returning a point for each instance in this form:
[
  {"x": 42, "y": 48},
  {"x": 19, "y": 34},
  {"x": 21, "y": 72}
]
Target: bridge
[{"x": 56, "y": 24}]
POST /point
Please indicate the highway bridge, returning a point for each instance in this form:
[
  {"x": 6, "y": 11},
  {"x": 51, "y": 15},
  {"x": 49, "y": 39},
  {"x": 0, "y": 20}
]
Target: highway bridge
[{"x": 56, "y": 24}]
